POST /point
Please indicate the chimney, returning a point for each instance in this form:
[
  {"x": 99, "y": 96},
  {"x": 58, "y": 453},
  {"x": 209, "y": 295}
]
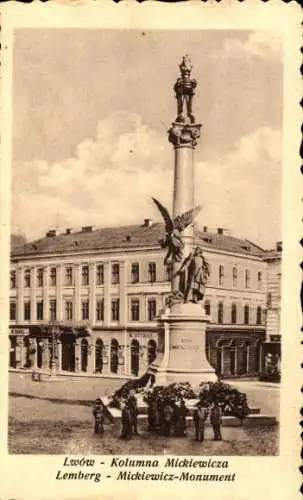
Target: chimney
[
  {"x": 88, "y": 229},
  {"x": 148, "y": 223},
  {"x": 279, "y": 246},
  {"x": 51, "y": 233},
  {"x": 70, "y": 230}
]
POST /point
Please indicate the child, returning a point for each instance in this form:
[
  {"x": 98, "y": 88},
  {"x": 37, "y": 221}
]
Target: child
[{"x": 98, "y": 416}]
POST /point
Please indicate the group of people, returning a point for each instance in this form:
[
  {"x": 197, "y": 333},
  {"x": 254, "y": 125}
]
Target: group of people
[
  {"x": 170, "y": 418},
  {"x": 129, "y": 414},
  {"x": 167, "y": 417}
]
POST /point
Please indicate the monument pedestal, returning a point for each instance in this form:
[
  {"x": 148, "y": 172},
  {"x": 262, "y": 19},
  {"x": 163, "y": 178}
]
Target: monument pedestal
[{"x": 182, "y": 355}]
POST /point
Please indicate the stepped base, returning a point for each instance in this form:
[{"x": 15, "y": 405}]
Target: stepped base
[{"x": 227, "y": 421}]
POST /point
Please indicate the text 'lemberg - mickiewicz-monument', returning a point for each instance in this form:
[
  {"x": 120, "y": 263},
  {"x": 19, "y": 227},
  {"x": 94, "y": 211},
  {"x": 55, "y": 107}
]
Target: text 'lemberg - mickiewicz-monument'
[{"x": 182, "y": 326}]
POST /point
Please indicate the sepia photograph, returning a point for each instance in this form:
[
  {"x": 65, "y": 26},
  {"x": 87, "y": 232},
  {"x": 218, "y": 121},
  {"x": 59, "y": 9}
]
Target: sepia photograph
[
  {"x": 149, "y": 256},
  {"x": 146, "y": 242}
]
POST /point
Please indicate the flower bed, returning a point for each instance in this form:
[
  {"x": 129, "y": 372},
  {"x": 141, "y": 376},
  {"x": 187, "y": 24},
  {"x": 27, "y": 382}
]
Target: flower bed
[{"x": 232, "y": 401}]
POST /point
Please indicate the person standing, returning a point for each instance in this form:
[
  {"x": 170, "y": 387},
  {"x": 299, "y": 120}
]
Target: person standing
[
  {"x": 98, "y": 416},
  {"x": 133, "y": 407},
  {"x": 167, "y": 418},
  {"x": 216, "y": 420},
  {"x": 200, "y": 417},
  {"x": 126, "y": 421},
  {"x": 180, "y": 425}
]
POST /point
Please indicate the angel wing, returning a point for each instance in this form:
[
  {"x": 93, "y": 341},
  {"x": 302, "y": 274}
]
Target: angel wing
[
  {"x": 169, "y": 225},
  {"x": 182, "y": 221}
]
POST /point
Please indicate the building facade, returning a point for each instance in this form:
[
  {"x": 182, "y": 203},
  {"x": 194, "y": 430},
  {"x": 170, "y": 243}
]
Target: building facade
[{"x": 87, "y": 301}]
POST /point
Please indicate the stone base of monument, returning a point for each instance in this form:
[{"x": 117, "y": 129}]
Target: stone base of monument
[
  {"x": 254, "y": 419},
  {"x": 183, "y": 357}
]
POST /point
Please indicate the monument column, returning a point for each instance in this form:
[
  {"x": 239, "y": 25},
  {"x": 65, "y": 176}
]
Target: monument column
[{"x": 184, "y": 321}]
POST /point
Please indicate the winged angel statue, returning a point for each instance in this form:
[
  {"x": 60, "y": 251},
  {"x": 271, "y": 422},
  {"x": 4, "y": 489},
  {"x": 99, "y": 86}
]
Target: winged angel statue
[{"x": 174, "y": 227}]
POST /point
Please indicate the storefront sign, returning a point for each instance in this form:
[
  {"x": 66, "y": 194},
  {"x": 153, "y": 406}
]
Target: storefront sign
[
  {"x": 275, "y": 338},
  {"x": 19, "y": 331},
  {"x": 142, "y": 335}
]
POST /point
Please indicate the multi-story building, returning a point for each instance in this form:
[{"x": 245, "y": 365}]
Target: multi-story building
[
  {"x": 271, "y": 348},
  {"x": 90, "y": 299}
]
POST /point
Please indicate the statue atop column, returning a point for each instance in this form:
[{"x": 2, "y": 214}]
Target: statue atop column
[{"x": 184, "y": 89}]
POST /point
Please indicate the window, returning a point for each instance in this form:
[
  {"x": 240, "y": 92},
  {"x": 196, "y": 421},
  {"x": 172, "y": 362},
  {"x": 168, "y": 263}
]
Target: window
[
  {"x": 53, "y": 309},
  {"x": 220, "y": 312},
  {"x": 235, "y": 276},
  {"x": 135, "y": 273},
  {"x": 247, "y": 278},
  {"x": 27, "y": 310},
  {"x": 68, "y": 308},
  {"x": 135, "y": 310},
  {"x": 221, "y": 275},
  {"x": 40, "y": 310},
  {"x": 151, "y": 309},
  {"x": 100, "y": 310},
  {"x": 40, "y": 277},
  {"x": 114, "y": 360},
  {"x": 115, "y": 274},
  {"x": 53, "y": 276},
  {"x": 169, "y": 272},
  {"x": 152, "y": 274},
  {"x": 13, "y": 279},
  {"x": 13, "y": 311},
  {"x": 269, "y": 300},
  {"x": 85, "y": 309},
  {"x": 259, "y": 280},
  {"x": 27, "y": 278},
  {"x": 234, "y": 313},
  {"x": 115, "y": 309},
  {"x": 85, "y": 276},
  {"x": 207, "y": 307},
  {"x": 100, "y": 274},
  {"x": 259, "y": 316},
  {"x": 68, "y": 276},
  {"x": 151, "y": 351},
  {"x": 246, "y": 315}
]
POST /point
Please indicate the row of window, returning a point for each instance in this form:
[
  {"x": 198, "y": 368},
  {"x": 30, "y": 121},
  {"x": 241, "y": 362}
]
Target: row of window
[
  {"x": 68, "y": 310},
  {"x": 234, "y": 313},
  {"x": 115, "y": 276}
]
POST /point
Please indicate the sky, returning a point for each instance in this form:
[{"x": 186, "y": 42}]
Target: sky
[{"x": 91, "y": 110}]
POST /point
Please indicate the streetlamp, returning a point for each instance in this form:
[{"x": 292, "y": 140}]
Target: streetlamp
[{"x": 55, "y": 331}]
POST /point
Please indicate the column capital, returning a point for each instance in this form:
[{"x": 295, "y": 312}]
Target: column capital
[{"x": 185, "y": 135}]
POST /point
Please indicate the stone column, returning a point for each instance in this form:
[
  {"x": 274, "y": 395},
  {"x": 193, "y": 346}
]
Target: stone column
[
  {"x": 184, "y": 356},
  {"x": 77, "y": 278},
  {"x": 59, "y": 354},
  {"x": 45, "y": 293},
  {"x": 142, "y": 310},
  {"x": 33, "y": 297},
  {"x": 91, "y": 357},
  {"x": 126, "y": 353},
  {"x": 123, "y": 293},
  {"x": 45, "y": 354},
  {"x": 59, "y": 292},
  {"x": 107, "y": 287},
  {"x": 92, "y": 293},
  {"x": 78, "y": 356},
  {"x": 184, "y": 138},
  {"x": 20, "y": 295}
]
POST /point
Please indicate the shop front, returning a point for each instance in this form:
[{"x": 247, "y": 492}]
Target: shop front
[{"x": 235, "y": 353}]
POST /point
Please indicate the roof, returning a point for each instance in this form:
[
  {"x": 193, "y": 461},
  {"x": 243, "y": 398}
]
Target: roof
[
  {"x": 17, "y": 240},
  {"x": 127, "y": 237}
]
